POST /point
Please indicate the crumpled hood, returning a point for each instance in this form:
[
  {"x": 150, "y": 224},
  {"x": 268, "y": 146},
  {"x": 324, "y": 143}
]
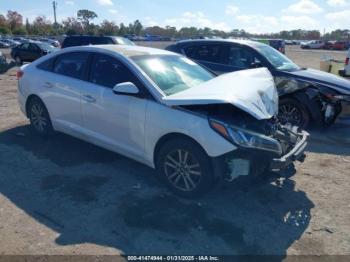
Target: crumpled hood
[
  {"x": 253, "y": 91},
  {"x": 338, "y": 83}
]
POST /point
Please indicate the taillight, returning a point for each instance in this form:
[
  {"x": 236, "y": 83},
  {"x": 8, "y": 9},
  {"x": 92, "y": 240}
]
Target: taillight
[
  {"x": 347, "y": 61},
  {"x": 19, "y": 74}
]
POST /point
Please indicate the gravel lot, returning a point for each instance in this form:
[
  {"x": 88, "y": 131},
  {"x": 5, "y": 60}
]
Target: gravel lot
[{"x": 64, "y": 196}]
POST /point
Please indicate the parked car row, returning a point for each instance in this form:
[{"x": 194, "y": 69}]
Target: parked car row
[
  {"x": 32, "y": 50},
  {"x": 330, "y": 45}
]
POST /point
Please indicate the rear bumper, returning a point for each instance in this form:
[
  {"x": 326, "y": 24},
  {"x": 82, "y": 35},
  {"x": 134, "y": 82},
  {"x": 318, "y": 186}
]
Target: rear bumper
[{"x": 297, "y": 153}]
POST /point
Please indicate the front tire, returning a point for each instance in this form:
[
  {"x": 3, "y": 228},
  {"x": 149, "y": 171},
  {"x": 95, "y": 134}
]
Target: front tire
[
  {"x": 293, "y": 112},
  {"x": 39, "y": 117},
  {"x": 185, "y": 168}
]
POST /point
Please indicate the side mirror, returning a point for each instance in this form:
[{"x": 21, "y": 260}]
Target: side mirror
[
  {"x": 256, "y": 65},
  {"x": 126, "y": 88}
]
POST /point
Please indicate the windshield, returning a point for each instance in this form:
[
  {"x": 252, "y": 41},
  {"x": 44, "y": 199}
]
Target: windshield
[
  {"x": 46, "y": 46},
  {"x": 124, "y": 41},
  {"x": 173, "y": 73},
  {"x": 276, "y": 58}
]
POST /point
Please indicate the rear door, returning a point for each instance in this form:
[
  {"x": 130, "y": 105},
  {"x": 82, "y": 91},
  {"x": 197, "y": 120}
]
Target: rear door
[
  {"x": 61, "y": 90},
  {"x": 112, "y": 120}
]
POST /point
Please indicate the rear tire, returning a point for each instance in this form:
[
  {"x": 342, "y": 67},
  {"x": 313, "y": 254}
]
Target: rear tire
[
  {"x": 185, "y": 168},
  {"x": 293, "y": 112},
  {"x": 39, "y": 117},
  {"x": 18, "y": 60}
]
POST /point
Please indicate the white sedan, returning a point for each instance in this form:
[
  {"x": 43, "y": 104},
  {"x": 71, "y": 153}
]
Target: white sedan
[{"x": 163, "y": 110}]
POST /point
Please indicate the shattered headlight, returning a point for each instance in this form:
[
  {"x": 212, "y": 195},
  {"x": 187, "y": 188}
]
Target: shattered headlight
[{"x": 245, "y": 138}]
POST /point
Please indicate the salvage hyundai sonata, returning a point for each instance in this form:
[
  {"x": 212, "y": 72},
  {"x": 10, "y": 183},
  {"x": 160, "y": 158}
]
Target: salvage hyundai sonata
[{"x": 163, "y": 110}]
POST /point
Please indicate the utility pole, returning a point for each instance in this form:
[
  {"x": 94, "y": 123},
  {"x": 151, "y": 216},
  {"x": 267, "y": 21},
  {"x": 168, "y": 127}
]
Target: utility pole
[{"x": 54, "y": 5}]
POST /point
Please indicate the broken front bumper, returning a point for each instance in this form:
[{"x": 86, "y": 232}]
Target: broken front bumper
[
  {"x": 297, "y": 153},
  {"x": 249, "y": 162}
]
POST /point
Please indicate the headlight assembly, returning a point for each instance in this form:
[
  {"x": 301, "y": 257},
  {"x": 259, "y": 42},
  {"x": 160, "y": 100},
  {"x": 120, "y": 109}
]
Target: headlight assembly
[{"x": 245, "y": 138}]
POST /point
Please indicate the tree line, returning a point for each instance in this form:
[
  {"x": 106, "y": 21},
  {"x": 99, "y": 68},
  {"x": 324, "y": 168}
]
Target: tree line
[{"x": 82, "y": 23}]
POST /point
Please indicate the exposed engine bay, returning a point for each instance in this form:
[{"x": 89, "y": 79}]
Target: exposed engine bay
[{"x": 290, "y": 140}]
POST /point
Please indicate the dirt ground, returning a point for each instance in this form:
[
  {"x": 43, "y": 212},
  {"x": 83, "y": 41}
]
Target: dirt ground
[{"x": 64, "y": 196}]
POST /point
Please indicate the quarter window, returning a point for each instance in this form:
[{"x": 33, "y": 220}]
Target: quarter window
[
  {"x": 108, "y": 71},
  {"x": 71, "y": 64},
  {"x": 47, "y": 64}
]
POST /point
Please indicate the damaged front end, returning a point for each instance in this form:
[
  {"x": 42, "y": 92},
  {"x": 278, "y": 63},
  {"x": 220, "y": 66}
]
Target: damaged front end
[
  {"x": 242, "y": 108},
  {"x": 262, "y": 145}
]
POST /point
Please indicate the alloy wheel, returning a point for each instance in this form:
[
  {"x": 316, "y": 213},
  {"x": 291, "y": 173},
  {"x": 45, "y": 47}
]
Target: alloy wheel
[
  {"x": 290, "y": 114},
  {"x": 182, "y": 170},
  {"x": 38, "y": 118}
]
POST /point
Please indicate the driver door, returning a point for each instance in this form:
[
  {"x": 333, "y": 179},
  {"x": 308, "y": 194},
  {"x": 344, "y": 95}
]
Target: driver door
[{"x": 113, "y": 121}]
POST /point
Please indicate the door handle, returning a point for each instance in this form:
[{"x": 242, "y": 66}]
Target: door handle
[
  {"x": 89, "y": 99},
  {"x": 48, "y": 85}
]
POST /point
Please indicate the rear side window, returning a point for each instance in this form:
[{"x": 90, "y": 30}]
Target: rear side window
[
  {"x": 71, "y": 64},
  {"x": 108, "y": 71},
  {"x": 101, "y": 41},
  {"x": 71, "y": 41},
  {"x": 208, "y": 53}
]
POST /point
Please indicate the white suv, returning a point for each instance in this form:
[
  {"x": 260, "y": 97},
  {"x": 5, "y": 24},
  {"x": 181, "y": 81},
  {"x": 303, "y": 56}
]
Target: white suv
[
  {"x": 315, "y": 44},
  {"x": 163, "y": 110}
]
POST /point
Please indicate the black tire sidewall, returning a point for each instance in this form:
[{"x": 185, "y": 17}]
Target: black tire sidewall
[
  {"x": 203, "y": 159},
  {"x": 19, "y": 62},
  {"x": 301, "y": 108},
  {"x": 48, "y": 129}
]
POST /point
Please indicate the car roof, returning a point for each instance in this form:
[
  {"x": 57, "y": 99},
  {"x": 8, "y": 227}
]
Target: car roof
[
  {"x": 236, "y": 41},
  {"x": 125, "y": 50}
]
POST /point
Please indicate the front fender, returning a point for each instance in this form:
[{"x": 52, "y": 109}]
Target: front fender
[{"x": 310, "y": 99}]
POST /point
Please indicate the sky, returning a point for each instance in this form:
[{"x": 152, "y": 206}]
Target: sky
[{"x": 263, "y": 16}]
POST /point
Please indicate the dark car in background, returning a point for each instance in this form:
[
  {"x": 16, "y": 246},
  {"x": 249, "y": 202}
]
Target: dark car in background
[
  {"x": 306, "y": 95},
  {"x": 81, "y": 40},
  {"x": 28, "y": 52}
]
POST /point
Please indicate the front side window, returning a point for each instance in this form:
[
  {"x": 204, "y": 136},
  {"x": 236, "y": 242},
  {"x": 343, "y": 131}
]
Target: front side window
[
  {"x": 33, "y": 47},
  {"x": 108, "y": 71},
  {"x": 71, "y": 64},
  {"x": 24, "y": 46},
  {"x": 172, "y": 73},
  {"x": 46, "y": 47},
  {"x": 241, "y": 57}
]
